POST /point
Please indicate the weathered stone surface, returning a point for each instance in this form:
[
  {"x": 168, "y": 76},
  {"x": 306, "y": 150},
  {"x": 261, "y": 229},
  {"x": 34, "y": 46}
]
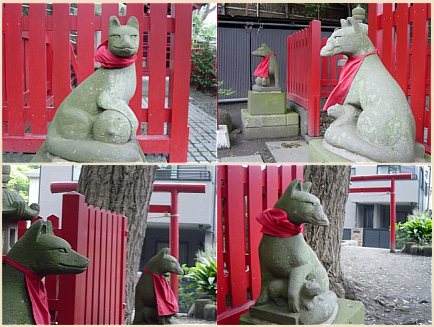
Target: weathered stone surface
[
  {"x": 94, "y": 123},
  {"x": 199, "y": 306},
  {"x": 145, "y": 301},
  {"x": 427, "y": 250},
  {"x": 266, "y": 103},
  {"x": 415, "y": 249},
  {"x": 349, "y": 312},
  {"x": 266, "y": 88},
  {"x": 270, "y": 132},
  {"x": 37, "y": 250},
  {"x": 375, "y": 120},
  {"x": 407, "y": 246},
  {"x": 318, "y": 153},
  {"x": 272, "y": 80},
  {"x": 248, "y": 120},
  {"x": 210, "y": 312}
]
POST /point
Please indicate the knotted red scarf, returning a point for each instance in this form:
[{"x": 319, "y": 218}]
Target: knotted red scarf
[
  {"x": 275, "y": 222},
  {"x": 346, "y": 77},
  {"x": 109, "y": 60},
  {"x": 37, "y": 293},
  {"x": 167, "y": 304},
  {"x": 263, "y": 67}
]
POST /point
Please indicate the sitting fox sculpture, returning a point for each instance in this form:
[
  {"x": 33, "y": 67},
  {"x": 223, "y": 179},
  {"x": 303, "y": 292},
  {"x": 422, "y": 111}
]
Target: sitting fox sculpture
[
  {"x": 373, "y": 118},
  {"x": 155, "y": 302},
  {"x": 36, "y": 254},
  {"x": 94, "y": 123},
  {"x": 267, "y": 72},
  {"x": 292, "y": 277}
]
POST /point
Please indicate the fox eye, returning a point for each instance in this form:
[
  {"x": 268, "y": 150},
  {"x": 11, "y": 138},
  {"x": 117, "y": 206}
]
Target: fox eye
[
  {"x": 62, "y": 250},
  {"x": 336, "y": 36},
  {"x": 115, "y": 36}
]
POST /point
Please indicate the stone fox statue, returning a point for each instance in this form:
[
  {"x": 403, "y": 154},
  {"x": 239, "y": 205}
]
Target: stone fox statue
[
  {"x": 94, "y": 123},
  {"x": 373, "y": 118},
  {"x": 36, "y": 254},
  {"x": 267, "y": 72},
  {"x": 155, "y": 302},
  {"x": 292, "y": 277}
]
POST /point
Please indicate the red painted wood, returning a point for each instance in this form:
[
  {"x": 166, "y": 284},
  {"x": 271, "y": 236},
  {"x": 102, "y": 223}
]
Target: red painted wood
[
  {"x": 123, "y": 271},
  {"x": 85, "y": 40},
  {"x": 91, "y": 269},
  {"x": 220, "y": 185},
  {"x": 369, "y": 189},
  {"x": 157, "y": 68},
  {"x": 14, "y": 70},
  {"x": 108, "y": 9},
  {"x": 314, "y": 39},
  {"x": 402, "y": 45},
  {"x": 97, "y": 267},
  {"x": 37, "y": 70},
  {"x": 386, "y": 52},
  {"x": 61, "y": 70},
  {"x": 272, "y": 186},
  {"x": 103, "y": 263},
  {"x": 181, "y": 90}
]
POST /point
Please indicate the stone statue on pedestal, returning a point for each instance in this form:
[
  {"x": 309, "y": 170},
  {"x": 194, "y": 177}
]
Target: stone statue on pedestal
[
  {"x": 373, "y": 119},
  {"x": 155, "y": 302},
  {"x": 94, "y": 123},
  {"x": 267, "y": 72},
  {"x": 36, "y": 254},
  {"x": 294, "y": 284}
]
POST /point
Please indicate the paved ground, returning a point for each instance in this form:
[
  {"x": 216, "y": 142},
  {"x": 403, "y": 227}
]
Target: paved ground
[{"x": 395, "y": 287}]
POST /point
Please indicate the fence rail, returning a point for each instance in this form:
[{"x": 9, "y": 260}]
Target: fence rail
[
  {"x": 96, "y": 296},
  {"x": 399, "y": 31},
  {"x": 39, "y": 62},
  {"x": 243, "y": 192}
]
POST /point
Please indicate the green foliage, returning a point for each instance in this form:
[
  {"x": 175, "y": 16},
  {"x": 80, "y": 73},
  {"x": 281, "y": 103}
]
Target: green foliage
[
  {"x": 204, "y": 276},
  {"x": 223, "y": 91},
  {"x": 314, "y": 9},
  {"x": 185, "y": 294},
  {"x": 417, "y": 228},
  {"x": 19, "y": 181},
  {"x": 203, "y": 56}
]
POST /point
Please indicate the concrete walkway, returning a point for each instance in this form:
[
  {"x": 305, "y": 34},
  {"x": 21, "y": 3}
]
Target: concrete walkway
[{"x": 202, "y": 140}]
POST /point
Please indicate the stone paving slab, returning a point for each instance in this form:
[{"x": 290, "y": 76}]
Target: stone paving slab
[
  {"x": 202, "y": 141},
  {"x": 289, "y": 151},
  {"x": 242, "y": 159}
]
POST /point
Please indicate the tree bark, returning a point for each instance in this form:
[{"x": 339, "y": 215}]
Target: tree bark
[
  {"x": 330, "y": 184},
  {"x": 126, "y": 190}
]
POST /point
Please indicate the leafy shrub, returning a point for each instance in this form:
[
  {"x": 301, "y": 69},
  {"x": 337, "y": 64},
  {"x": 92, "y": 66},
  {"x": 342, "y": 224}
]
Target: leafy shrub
[
  {"x": 204, "y": 276},
  {"x": 203, "y": 68},
  {"x": 417, "y": 228}
]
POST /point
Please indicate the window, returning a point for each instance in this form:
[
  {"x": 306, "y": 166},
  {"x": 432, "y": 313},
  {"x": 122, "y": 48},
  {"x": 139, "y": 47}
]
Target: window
[
  {"x": 353, "y": 171},
  {"x": 184, "y": 173},
  {"x": 388, "y": 169}
]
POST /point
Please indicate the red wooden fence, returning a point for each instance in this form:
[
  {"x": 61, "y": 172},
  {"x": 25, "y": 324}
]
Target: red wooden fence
[
  {"x": 38, "y": 61},
  {"x": 96, "y": 296},
  {"x": 242, "y": 193},
  {"x": 399, "y": 31}
]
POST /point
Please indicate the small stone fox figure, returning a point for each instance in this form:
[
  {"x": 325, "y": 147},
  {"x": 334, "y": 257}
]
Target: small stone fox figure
[
  {"x": 373, "y": 118},
  {"x": 292, "y": 277},
  {"x": 94, "y": 123},
  {"x": 155, "y": 303},
  {"x": 43, "y": 253},
  {"x": 271, "y": 77}
]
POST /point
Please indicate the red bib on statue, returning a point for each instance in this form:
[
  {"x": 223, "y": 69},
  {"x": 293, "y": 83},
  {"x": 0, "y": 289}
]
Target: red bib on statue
[
  {"x": 346, "y": 77},
  {"x": 275, "y": 223},
  {"x": 263, "y": 67},
  {"x": 167, "y": 304},
  {"x": 109, "y": 60}
]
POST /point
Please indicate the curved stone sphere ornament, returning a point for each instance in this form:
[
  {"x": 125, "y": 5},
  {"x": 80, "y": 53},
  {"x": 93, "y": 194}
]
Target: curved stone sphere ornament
[
  {"x": 373, "y": 121},
  {"x": 294, "y": 284},
  {"x": 36, "y": 254},
  {"x": 94, "y": 123}
]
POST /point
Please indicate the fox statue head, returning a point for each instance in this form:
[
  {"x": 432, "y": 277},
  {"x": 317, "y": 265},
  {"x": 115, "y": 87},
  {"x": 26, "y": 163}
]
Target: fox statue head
[
  {"x": 351, "y": 40},
  {"x": 123, "y": 40},
  {"x": 163, "y": 263},
  {"x": 301, "y": 206},
  {"x": 46, "y": 254}
]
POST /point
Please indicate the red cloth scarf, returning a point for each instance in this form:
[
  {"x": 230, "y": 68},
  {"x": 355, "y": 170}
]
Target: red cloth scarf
[
  {"x": 346, "y": 77},
  {"x": 167, "y": 304},
  {"x": 263, "y": 67},
  {"x": 109, "y": 60},
  {"x": 275, "y": 223},
  {"x": 37, "y": 293}
]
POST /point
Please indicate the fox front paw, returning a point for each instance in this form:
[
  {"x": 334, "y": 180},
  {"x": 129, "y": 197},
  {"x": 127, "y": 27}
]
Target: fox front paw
[
  {"x": 293, "y": 303},
  {"x": 335, "y": 111}
]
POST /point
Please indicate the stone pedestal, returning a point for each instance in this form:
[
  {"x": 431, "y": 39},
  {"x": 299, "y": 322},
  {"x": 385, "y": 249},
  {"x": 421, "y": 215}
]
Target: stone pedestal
[
  {"x": 269, "y": 126},
  {"x": 266, "y": 88},
  {"x": 266, "y": 103},
  {"x": 349, "y": 312},
  {"x": 318, "y": 153}
]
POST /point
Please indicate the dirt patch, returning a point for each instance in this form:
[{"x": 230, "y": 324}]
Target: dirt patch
[
  {"x": 204, "y": 101},
  {"x": 394, "y": 287}
]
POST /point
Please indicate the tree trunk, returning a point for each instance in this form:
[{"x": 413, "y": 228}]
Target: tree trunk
[
  {"x": 330, "y": 184},
  {"x": 126, "y": 190}
]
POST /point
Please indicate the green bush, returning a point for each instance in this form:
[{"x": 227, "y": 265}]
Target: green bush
[
  {"x": 417, "y": 228},
  {"x": 204, "y": 276},
  {"x": 203, "y": 69}
]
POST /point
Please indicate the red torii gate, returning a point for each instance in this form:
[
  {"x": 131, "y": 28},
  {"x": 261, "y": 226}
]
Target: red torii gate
[
  {"x": 174, "y": 190},
  {"x": 391, "y": 189}
]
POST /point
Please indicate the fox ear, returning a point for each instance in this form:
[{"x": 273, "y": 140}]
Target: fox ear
[
  {"x": 132, "y": 21},
  {"x": 344, "y": 23},
  {"x": 355, "y": 25},
  {"x": 37, "y": 229},
  {"x": 293, "y": 187},
  {"x": 306, "y": 186},
  {"x": 114, "y": 22},
  {"x": 163, "y": 252}
]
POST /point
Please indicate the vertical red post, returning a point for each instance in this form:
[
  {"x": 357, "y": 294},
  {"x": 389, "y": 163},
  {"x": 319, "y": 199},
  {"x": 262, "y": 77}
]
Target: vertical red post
[
  {"x": 314, "y": 78},
  {"x": 174, "y": 238},
  {"x": 392, "y": 215}
]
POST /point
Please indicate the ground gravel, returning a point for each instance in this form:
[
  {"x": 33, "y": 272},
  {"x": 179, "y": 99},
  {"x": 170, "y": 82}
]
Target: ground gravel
[
  {"x": 395, "y": 287},
  {"x": 204, "y": 101}
]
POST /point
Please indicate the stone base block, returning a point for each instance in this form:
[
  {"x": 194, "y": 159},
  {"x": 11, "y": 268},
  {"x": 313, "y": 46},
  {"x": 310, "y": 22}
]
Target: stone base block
[
  {"x": 266, "y": 88},
  {"x": 266, "y": 103},
  {"x": 269, "y": 126},
  {"x": 318, "y": 153},
  {"x": 350, "y": 312}
]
